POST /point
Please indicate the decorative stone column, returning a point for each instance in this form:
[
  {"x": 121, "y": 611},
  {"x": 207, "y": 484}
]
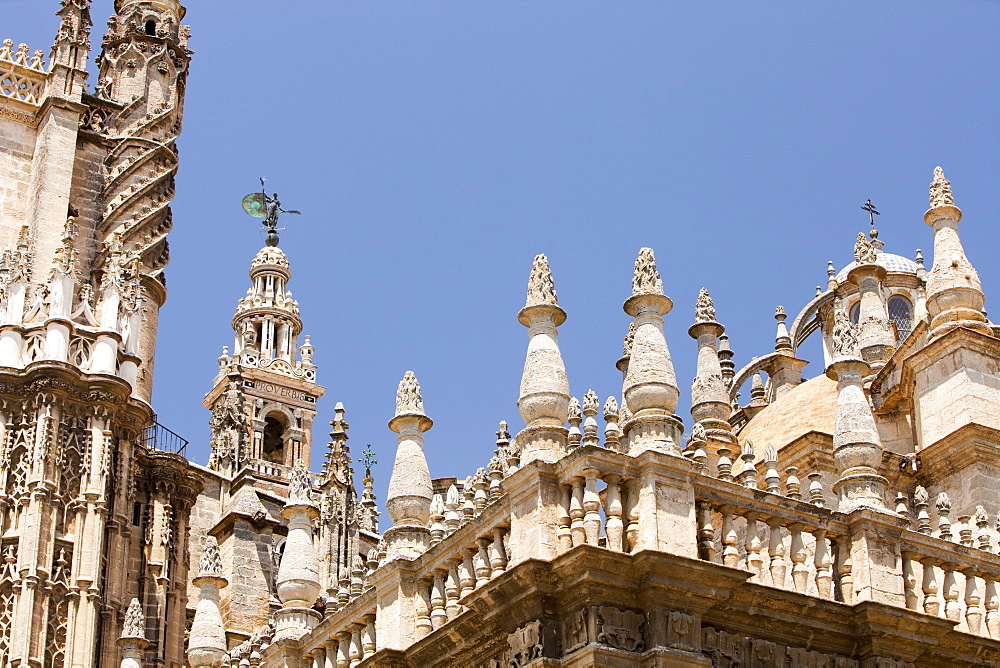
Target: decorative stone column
[
  {"x": 410, "y": 492},
  {"x": 857, "y": 452},
  {"x": 954, "y": 292},
  {"x": 133, "y": 639},
  {"x": 298, "y": 575},
  {"x": 650, "y": 387},
  {"x": 544, "y": 396},
  {"x": 207, "y": 642},
  {"x": 875, "y": 338},
  {"x": 709, "y": 397}
]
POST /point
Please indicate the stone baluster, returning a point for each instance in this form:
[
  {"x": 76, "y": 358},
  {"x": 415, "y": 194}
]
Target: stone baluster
[
  {"x": 816, "y": 489},
  {"x": 706, "y": 531},
  {"x": 591, "y": 404},
  {"x": 344, "y": 649},
  {"x": 929, "y": 585},
  {"x": 952, "y": 608},
  {"x": 901, "y": 504},
  {"x": 318, "y": 657},
  {"x": 423, "y": 608},
  {"x": 480, "y": 485},
  {"x": 452, "y": 514},
  {"x": 910, "y": 580},
  {"x": 982, "y": 521},
  {"x": 368, "y": 640},
  {"x": 575, "y": 435},
  {"x": 748, "y": 476},
  {"x": 451, "y": 589},
  {"x": 467, "y": 572},
  {"x": 357, "y": 650},
  {"x": 468, "y": 500},
  {"x": 591, "y": 506},
  {"x": 482, "y": 563},
  {"x": 797, "y": 552},
  {"x": 943, "y": 504},
  {"x": 992, "y": 608},
  {"x": 793, "y": 488},
  {"x": 614, "y": 528},
  {"x": 771, "y": 476},
  {"x": 845, "y": 570},
  {"x": 439, "y": 616},
  {"x": 822, "y": 561},
  {"x": 965, "y": 530},
  {"x": 576, "y": 513},
  {"x": 752, "y": 545},
  {"x": 498, "y": 555},
  {"x": 437, "y": 519},
  {"x": 725, "y": 464},
  {"x": 775, "y": 552},
  {"x": 631, "y": 511},
  {"x": 357, "y": 576},
  {"x": 696, "y": 448},
  {"x": 612, "y": 433},
  {"x": 730, "y": 554},
  {"x": 973, "y": 601},
  {"x": 920, "y": 504},
  {"x": 563, "y": 532},
  {"x": 495, "y": 473}
]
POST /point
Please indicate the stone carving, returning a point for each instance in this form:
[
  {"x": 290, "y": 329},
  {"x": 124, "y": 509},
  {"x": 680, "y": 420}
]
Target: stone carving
[
  {"x": 575, "y": 633},
  {"x": 621, "y": 629},
  {"x": 682, "y": 631},
  {"x": 865, "y": 252},
  {"x": 408, "y": 397},
  {"x": 575, "y": 411},
  {"x": 704, "y": 310},
  {"x": 844, "y": 337},
  {"x": 646, "y": 279},
  {"x": 629, "y": 339},
  {"x": 591, "y": 402},
  {"x": 940, "y": 190},
  {"x": 299, "y": 487},
  {"x": 211, "y": 560},
  {"x": 134, "y": 626},
  {"x": 728, "y": 650},
  {"x": 525, "y": 644},
  {"x": 541, "y": 287},
  {"x": 230, "y": 427}
]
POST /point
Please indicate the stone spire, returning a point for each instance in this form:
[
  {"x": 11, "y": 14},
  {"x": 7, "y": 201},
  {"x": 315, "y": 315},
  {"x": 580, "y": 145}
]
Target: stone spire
[
  {"x": 338, "y": 461},
  {"x": 650, "y": 386},
  {"x": 297, "y": 582},
  {"x": 782, "y": 341},
  {"x": 726, "y": 360},
  {"x": 875, "y": 336},
  {"x": 709, "y": 397},
  {"x": 133, "y": 638},
  {"x": 544, "y": 397},
  {"x": 857, "y": 452},
  {"x": 954, "y": 292},
  {"x": 207, "y": 640},
  {"x": 410, "y": 491},
  {"x": 70, "y": 49}
]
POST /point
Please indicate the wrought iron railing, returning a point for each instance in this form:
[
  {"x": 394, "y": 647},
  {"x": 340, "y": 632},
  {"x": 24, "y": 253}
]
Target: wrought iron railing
[{"x": 157, "y": 437}]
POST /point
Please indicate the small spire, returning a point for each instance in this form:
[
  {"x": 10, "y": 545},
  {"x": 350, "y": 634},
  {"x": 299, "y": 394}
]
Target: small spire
[
  {"x": 704, "y": 310},
  {"x": 646, "y": 279},
  {"x": 782, "y": 341},
  {"x": 757, "y": 392},
  {"x": 408, "y": 397},
  {"x": 940, "y": 190},
  {"x": 541, "y": 287},
  {"x": 726, "y": 360},
  {"x": 921, "y": 269},
  {"x": 831, "y": 276}
]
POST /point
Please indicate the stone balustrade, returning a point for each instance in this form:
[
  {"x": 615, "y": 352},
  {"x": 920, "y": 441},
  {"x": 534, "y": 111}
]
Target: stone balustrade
[
  {"x": 345, "y": 638},
  {"x": 22, "y": 77}
]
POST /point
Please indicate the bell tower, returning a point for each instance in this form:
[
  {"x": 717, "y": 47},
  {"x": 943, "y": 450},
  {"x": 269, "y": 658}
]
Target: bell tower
[{"x": 264, "y": 399}]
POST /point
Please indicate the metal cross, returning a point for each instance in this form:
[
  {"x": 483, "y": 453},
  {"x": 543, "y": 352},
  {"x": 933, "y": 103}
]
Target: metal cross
[
  {"x": 368, "y": 457},
  {"x": 872, "y": 211}
]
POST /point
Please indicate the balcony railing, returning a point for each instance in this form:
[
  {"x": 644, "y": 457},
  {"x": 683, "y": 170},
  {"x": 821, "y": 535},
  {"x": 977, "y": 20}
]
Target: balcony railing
[{"x": 157, "y": 437}]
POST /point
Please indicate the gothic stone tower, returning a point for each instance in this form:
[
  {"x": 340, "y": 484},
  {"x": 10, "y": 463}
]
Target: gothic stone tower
[
  {"x": 263, "y": 404},
  {"x": 93, "y": 511}
]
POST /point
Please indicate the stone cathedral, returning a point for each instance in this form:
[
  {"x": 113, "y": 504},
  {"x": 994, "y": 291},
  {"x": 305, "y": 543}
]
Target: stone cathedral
[{"x": 848, "y": 520}]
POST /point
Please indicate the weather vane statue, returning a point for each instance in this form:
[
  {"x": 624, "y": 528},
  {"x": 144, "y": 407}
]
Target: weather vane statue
[{"x": 259, "y": 205}]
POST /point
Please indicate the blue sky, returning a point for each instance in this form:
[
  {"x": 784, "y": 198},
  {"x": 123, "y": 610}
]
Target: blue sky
[{"x": 435, "y": 147}]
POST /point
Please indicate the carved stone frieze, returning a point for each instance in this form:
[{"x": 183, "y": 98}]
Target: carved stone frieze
[{"x": 730, "y": 650}]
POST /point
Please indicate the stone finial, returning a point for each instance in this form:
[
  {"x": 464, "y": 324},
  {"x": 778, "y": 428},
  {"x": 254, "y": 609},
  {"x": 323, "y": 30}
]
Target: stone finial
[
  {"x": 940, "y": 190},
  {"x": 541, "y": 287},
  {"x": 591, "y": 402},
  {"x": 299, "y": 488},
  {"x": 771, "y": 477},
  {"x": 864, "y": 250},
  {"x": 704, "y": 310},
  {"x": 134, "y": 626},
  {"x": 757, "y": 391},
  {"x": 844, "y": 336},
  {"x": 831, "y": 275},
  {"x": 408, "y": 397},
  {"x": 782, "y": 340},
  {"x": 211, "y": 560},
  {"x": 629, "y": 340},
  {"x": 575, "y": 411},
  {"x": 646, "y": 279}
]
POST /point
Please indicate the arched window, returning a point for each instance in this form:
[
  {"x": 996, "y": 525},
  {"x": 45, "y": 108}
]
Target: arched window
[
  {"x": 151, "y": 28},
  {"x": 855, "y": 314},
  {"x": 901, "y": 316},
  {"x": 273, "y": 447}
]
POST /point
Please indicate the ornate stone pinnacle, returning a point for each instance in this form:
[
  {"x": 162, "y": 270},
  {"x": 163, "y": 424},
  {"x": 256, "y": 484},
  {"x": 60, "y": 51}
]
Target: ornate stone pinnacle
[
  {"x": 943, "y": 503},
  {"x": 591, "y": 402},
  {"x": 646, "y": 279},
  {"x": 541, "y": 287},
  {"x": 408, "y": 396},
  {"x": 299, "y": 488},
  {"x": 134, "y": 626},
  {"x": 211, "y": 561},
  {"x": 704, "y": 310},
  {"x": 940, "y": 190},
  {"x": 611, "y": 408},
  {"x": 771, "y": 455}
]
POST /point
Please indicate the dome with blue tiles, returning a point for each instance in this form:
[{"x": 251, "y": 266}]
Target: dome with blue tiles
[{"x": 894, "y": 264}]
